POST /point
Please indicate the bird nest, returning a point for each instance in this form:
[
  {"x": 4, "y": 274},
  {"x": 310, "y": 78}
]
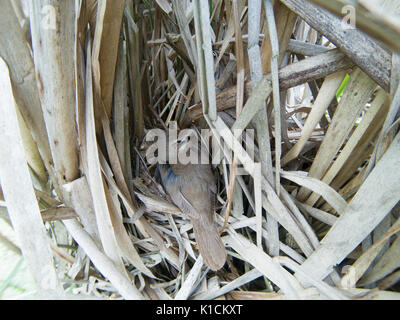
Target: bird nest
[{"x": 304, "y": 146}]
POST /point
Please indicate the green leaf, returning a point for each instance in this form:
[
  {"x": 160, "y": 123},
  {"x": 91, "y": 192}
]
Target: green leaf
[{"x": 342, "y": 87}]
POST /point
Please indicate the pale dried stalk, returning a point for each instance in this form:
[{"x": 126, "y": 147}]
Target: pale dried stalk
[
  {"x": 20, "y": 62},
  {"x": 319, "y": 187},
  {"x": 262, "y": 123},
  {"x": 357, "y": 93},
  {"x": 285, "y": 22},
  {"x": 187, "y": 286},
  {"x": 326, "y": 94},
  {"x": 134, "y": 60},
  {"x": 318, "y": 214},
  {"x": 205, "y": 58},
  {"x": 273, "y": 36},
  {"x": 104, "y": 264},
  {"x": 77, "y": 195},
  {"x": 324, "y": 288},
  {"x": 263, "y": 263},
  {"x": 120, "y": 109},
  {"x": 251, "y": 223},
  {"x": 94, "y": 175},
  {"x": 180, "y": 12},
  {"x": 388, "y": 263},
  {"x": 390, "y": 118},
  {"x": 238, "y": 282},
  {"x": 358, "y": 268},
  {"x": 377, "y": 18},
  {"x": 228, "y": 36},
  {"x": 19, "y": 195},
  {"x": 375, "y": 198},
  {"x": 105, "y": 48},
  {"x": 55, "y": 80},
  {"x": 239, "y": 106},
  {"x": 124, "y": 243},
  {"x": 290, "y": 76},
  {"x": 271, "y": 202},
  {"x": 369, "y": 56},
  {"x": 305, "y": 48},
  {"x": 31, "y": 151},
  {"x": 351, "y": 144}
]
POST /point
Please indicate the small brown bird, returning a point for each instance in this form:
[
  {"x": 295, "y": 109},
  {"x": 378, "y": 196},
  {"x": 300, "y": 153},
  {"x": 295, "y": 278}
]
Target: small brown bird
[{"x": 192, "y": 188}]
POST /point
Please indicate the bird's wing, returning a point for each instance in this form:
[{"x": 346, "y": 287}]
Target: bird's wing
[
  {"x": 190, "y": 189},
  {"x": 185, "y": 205},
  {"x": 173, "y": 186}
]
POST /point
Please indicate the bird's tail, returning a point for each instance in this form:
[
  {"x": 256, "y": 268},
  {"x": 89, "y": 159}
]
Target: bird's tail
[{"x": 210, "y": 244}]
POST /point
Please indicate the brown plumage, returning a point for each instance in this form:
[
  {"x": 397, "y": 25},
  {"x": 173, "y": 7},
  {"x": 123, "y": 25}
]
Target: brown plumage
[{"x": 192, "y": 188}]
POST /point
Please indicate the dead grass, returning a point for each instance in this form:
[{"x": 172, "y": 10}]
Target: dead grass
[{"x": 315, "y": 217}]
